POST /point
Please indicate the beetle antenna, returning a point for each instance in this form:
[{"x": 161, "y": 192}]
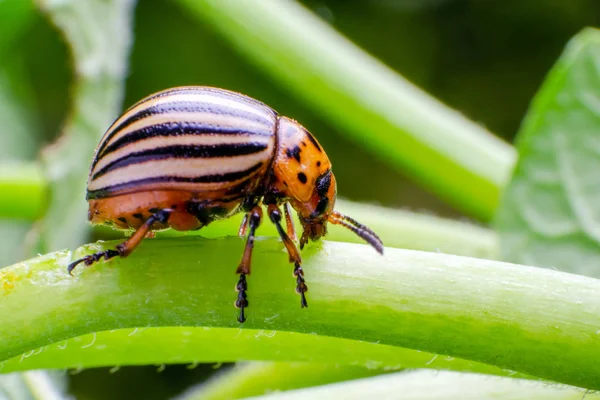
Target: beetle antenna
[{"x": 361, "y": 230}]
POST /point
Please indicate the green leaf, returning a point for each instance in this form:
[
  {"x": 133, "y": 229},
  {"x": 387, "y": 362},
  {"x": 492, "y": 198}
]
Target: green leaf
[
  {"x": 99, "y": 34},
  {"x": 550, "y": 214},
  {"x": 428, "y": 385},
  {"x": 382, "y": 111},
  {"x": 535, "y": 321}
]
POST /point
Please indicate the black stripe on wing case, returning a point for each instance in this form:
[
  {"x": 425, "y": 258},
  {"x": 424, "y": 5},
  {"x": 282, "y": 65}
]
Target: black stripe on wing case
[
  {"x": 228, "y": 177},
  {"x": 183, "y": 151},
  {"x": 188, "y": 107},
  {"x": 176, "y": 129}
]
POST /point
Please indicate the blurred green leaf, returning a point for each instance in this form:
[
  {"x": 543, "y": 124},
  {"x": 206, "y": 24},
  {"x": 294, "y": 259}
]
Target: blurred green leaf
[
  {"x": 99, "y": 34},
  {"x": 429, "y": 385},
  {"x": 19, "y": 125},
  {"x": 550, "y": 214},
  {"x": 15, "y": 15},
  {"x": 535, "y": 321},
  {"x": 401, "y": 124}
]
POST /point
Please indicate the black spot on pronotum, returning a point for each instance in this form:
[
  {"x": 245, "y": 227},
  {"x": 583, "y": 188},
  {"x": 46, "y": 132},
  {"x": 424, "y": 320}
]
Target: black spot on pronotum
[
  {"x": 302, "y": 177},
  {"x": 295, "y": 152},
  {"x": 123, "y": 220},
  {"x": 318, "y": 163},
  {"x": 138, "y": 216}
]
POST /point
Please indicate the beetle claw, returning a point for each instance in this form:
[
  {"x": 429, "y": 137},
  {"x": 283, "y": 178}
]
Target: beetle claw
[
  {"x": 301, "y": 287},
  {"x": 92, "y": 258},
  {"x": 242, "y": 299}
]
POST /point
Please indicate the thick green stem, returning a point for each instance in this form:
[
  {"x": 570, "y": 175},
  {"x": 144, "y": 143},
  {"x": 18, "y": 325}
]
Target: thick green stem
[
  {"x": 385, "y": 113},
  {"x": 535, "y": 321}
]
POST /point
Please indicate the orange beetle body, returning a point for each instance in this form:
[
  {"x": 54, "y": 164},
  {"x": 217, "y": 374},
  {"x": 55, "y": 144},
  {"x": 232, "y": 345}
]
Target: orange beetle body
[{"x": 186, "y": 156}]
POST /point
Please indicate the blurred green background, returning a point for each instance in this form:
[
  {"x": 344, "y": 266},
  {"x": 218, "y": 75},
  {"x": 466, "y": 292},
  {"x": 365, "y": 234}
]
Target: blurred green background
[{"x": 483, "y": 58}]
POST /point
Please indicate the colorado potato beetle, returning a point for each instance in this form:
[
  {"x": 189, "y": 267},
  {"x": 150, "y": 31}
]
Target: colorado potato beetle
[{"x": 186, "y": 156}]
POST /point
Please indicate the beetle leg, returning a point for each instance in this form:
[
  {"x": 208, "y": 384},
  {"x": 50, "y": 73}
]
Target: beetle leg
[
  {"x": 301, "y": 288},
  {"x": 289, "y": 222},
  {"x": 243, "y": 226},
  {"x": 254, "y": 218},
  {"x": 125, "y": 248}
]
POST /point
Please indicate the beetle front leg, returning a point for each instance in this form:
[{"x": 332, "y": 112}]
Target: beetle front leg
[
  {"x": 125, "y": 248},
  {"x": 254, "y": 218},
  {"x": 301, "y": 288}
]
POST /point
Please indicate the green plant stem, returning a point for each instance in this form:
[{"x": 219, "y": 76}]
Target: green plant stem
[
  {"x": 459, "y": 160},
  {"x": 397, "y": 228},
  {"x": 257, "y": 378},
  {"x": 23, "y": 191},
  {"x": 193, "y": 345},
  {"x": 428, "y": 385},
  {"x": 535, "y": 321}
]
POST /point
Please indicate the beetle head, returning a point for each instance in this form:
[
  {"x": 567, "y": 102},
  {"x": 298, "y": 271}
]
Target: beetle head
[
  {"x": 302, "y": 175},
  {"x": 314, "y": 214}
]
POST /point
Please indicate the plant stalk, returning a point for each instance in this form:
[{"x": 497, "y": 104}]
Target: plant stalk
[
  {"x": 451, "y": 155},
  {"x": 534, "y": 321}
]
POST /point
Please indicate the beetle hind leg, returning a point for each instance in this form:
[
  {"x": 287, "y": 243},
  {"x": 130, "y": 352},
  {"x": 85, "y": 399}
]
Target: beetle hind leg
[
  {"x": 125, "y": 248},
  {"x": 253, "y": 219},
  {"x": 301, "y": 288}
]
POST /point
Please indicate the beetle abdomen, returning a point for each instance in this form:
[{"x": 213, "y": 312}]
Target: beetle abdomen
[{"x": 197, "y": 139}]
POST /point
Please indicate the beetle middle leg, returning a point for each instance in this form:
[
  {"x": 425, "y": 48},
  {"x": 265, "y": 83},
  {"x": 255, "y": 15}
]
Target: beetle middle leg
[
  {"x": 125, "y": 248},
  {"x": 253, "y": 218},
  {"x": 301, "y": 288}
]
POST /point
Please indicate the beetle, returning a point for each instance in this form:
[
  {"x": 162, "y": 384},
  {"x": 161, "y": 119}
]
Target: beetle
[{"x": 186, "y": 156}]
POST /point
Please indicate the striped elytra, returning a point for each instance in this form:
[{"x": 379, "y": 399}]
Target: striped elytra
[
  {"x": 186, "y": 156},
  {"x": 192, "y": 139}
]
